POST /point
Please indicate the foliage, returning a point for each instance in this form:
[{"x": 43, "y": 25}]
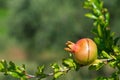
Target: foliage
[
  {"x": 108, "y": 50},
  {"x": 104, "y": 38}
]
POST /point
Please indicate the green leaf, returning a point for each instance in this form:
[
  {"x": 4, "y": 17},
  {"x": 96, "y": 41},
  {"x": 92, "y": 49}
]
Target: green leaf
[
  {"x": 56, "y": 67},
  {"x": 116, "y": 50},
  {"x": 90, "y": 15},
  {"x": 99, "y": 31},
  {"x": 95, "y": 23},
  {"x": 97, "y": 40},
  {"x": 112, "y": 34},
  {"x": 105, "y": 54},
  {"x": 107, "y": 16},
  {"x": 101, "y": 4},
  {"x": 69, "y": 63},
  {"x": 58, "y": 74},
  {"x": 113, "y": 64},
  {"x": 5, "y": 65},
  {"x": 12, "y": 65},
  {"x": 103, "y": 78},
  {"x": 40, "y": 69},
  {"x": 96, "y": 3},
  {"x": 14, "y": 74},
  {"x": 96, "y": 66},
  {"x": 87, "y": 5},
  {"x": 40, "y": 73},
  {"x": 23, "y": 67},
  {"x": 23, "y": 78},
  {"x": 96, "y": 12},
  {"x": 1, "y": 67}
]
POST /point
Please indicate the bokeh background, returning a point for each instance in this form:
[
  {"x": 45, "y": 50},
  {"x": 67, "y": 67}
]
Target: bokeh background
[{"x": 34, "y": 32}]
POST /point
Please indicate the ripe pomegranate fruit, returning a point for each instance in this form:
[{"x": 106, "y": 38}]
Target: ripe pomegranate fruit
[{"x": 84, "y": 50}]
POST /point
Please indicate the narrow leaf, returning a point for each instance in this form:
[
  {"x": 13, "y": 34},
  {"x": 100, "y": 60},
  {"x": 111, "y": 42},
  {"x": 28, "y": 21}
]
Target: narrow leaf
[
  {"x": 69, "y": 63},
  {"x": 56, "y": 67},
  {"x": 90, "y": 15},
  {"x": 105, "y": 54},
  {"x": 57, "y": 74}
]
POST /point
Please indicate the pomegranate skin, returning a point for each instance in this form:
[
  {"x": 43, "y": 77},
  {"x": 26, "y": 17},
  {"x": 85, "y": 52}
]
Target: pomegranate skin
[{"x": 84, "y": 50}]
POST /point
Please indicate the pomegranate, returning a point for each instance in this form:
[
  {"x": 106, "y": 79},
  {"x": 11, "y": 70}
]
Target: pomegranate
[{"x": 84, "y": 50}]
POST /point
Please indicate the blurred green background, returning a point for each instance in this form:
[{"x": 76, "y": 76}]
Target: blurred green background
[{"x": 34, "y": 32}]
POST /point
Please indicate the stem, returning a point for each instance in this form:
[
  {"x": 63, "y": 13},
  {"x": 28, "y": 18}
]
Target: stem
[
  {"x": 107, "y": 60},
  {"x": 49, "y": 74}
]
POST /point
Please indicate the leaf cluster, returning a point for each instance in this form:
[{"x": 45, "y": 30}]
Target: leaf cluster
[
  {"x": 13, "y": 70},
  {"x": 107, "y": 44}
]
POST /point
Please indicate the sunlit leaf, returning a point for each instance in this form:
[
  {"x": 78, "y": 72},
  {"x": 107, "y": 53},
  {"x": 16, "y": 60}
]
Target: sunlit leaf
[
  {"x": 1, "y": 66},
  {"x": 40, "y": 70},
  {"x": 69, "y": 63},
  {"x": 99, "y": 31},
  {"x": 96, "y": 65},
  {"x": 56, "y": 67},
  {"x": 90, "y": 15},
  {"x": 97, "y": 40},
  {"x": 112, "y": 64},
  {"x": 57, "y": 74},
  {"x": 105, "y": 54},
  {"x": 14, "y": 74}
]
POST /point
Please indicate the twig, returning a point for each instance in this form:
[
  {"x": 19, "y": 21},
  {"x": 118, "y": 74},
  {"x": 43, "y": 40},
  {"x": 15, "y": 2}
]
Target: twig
[{"x": 49, "y": 74}]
